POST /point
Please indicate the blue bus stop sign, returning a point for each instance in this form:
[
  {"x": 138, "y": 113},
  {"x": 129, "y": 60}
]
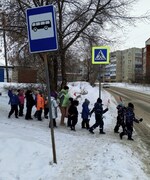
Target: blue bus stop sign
[{"x": 41, "y": 25}]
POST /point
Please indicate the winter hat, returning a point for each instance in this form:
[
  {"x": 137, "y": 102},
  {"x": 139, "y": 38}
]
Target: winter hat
[
  {"x": 54, "y": 94},
  {"x": 121, "y": 104},
  {"x": 87, "y": 101},
  {"x": 28, "y": 92},
  {"x": 71, "y": 99},
  {"x": 131, "y": 105},
  {"x": 66, "y": 87},
  {"x": 40, "y": 92},
  {"x": 99, "y": 100},
  {"x": 75, "y": 102}
]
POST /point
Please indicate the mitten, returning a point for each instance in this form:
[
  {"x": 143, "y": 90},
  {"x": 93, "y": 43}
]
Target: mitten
[{"x": 140, "y": 119}]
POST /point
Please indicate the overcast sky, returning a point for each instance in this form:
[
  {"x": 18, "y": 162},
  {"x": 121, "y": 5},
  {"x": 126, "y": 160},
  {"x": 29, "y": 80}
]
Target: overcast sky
[{"x": 136, "y": 36}]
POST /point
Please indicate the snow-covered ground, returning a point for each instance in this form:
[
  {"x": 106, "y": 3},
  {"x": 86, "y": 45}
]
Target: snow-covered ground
[
  {"x": 145, "y": 88},
  {"x": 26, "y": 148}
]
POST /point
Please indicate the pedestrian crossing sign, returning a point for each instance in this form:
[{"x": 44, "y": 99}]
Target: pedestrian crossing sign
[{"x": 100, "y": 55}]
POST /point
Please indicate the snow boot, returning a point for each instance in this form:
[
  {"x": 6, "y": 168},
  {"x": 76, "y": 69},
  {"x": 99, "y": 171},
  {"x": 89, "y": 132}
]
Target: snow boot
[
  {"x": 101, "y": 131},
  {"x": 116, "y": 129},
  {"x": 91, "y": 131},
  {"x": 73, "y": 128},
  {"x": 121, "y": 135},
  {"x": 130, "y": 138}
]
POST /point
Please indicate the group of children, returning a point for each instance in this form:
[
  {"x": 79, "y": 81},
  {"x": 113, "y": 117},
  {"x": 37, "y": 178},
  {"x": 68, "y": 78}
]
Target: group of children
[
  {"x": 17, "y": 100},
  {"x": 68, "y": 108},
  {"x": 125, "y": 119}
]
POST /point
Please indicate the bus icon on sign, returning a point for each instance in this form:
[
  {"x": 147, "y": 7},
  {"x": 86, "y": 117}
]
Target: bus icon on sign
[{"x": 41, "y": 25}]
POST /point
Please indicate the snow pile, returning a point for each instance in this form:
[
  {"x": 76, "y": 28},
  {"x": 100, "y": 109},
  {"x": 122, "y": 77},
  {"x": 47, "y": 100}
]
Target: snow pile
[{"x": 26, "y": 150}]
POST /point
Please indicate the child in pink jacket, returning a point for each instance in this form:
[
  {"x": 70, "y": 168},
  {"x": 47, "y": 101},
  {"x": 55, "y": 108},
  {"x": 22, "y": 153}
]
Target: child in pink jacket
[{"x": 21, "y": 97}]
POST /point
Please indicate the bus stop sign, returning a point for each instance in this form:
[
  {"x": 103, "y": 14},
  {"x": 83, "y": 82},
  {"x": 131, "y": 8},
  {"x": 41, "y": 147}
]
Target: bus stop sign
[{"x": 41, "y": 25}]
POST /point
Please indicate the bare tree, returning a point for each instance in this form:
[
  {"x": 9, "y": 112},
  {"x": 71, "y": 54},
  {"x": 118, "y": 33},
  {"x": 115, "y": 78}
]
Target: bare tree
[{"x": 75, "y": 20}]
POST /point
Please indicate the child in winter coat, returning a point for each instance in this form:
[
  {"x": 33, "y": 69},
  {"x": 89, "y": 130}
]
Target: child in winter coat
[
  {"x": 69, "y": 117},
  {"x": 85, "y": 114},
  {"x": 73, "y": 112},
  {"x": 54, "y": 106},
  {"x": 46, "y": 108},
  {"x": 40, "y": 105},
  {"x": 30, "y": 102},
  {"x": 129, "y": 118},
  {"x": 98, "y": 109},
  {"x": 120, "y": 117},
  {"x": 14, "y": 102},
  {"x": 21, "y": 97}
]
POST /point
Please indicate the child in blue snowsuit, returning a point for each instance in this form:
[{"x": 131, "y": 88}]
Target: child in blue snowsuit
[
  {"x": 98, "y": 109},
  {"x": 85, "y": 114},
  {"x": 120, "y": 117},
  {"x": 129, "y": 119},
  {"x": 14, "y": 102}
]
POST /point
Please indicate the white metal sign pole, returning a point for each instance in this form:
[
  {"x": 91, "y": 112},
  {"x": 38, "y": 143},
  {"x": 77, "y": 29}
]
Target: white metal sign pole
[{"x": 50, "y": 108}]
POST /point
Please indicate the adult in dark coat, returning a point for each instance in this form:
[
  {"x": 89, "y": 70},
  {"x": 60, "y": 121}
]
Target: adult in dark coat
[
  {"x": 30, "y": 102},
  {"x": 14, "y": 102},
  {"x": 98, "y": 109}
]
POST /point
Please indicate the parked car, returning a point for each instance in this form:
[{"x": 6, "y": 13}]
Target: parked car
[{"x": 106, "y": 85}]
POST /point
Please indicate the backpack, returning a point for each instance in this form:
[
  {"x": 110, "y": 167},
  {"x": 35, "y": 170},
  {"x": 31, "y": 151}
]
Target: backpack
[
  {"x": 129, "y": 116},
  {"x": 98, "y": 108},
  {"x": 121, "y": 110}
]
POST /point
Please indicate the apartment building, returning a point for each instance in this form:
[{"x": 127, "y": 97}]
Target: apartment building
[
  {"x": 125, "y": 66},
  {"x": 132, "y": 63},
  {"x": 113, "y": 71},
  {"x": 146, "y": 61}
]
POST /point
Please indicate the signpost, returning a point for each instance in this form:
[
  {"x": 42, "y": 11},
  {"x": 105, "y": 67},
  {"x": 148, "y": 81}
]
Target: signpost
[
  {"x": 42, "y": 37},
  {"x": 100, "y": 55},
  {"x": 42, "y": 29}
]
